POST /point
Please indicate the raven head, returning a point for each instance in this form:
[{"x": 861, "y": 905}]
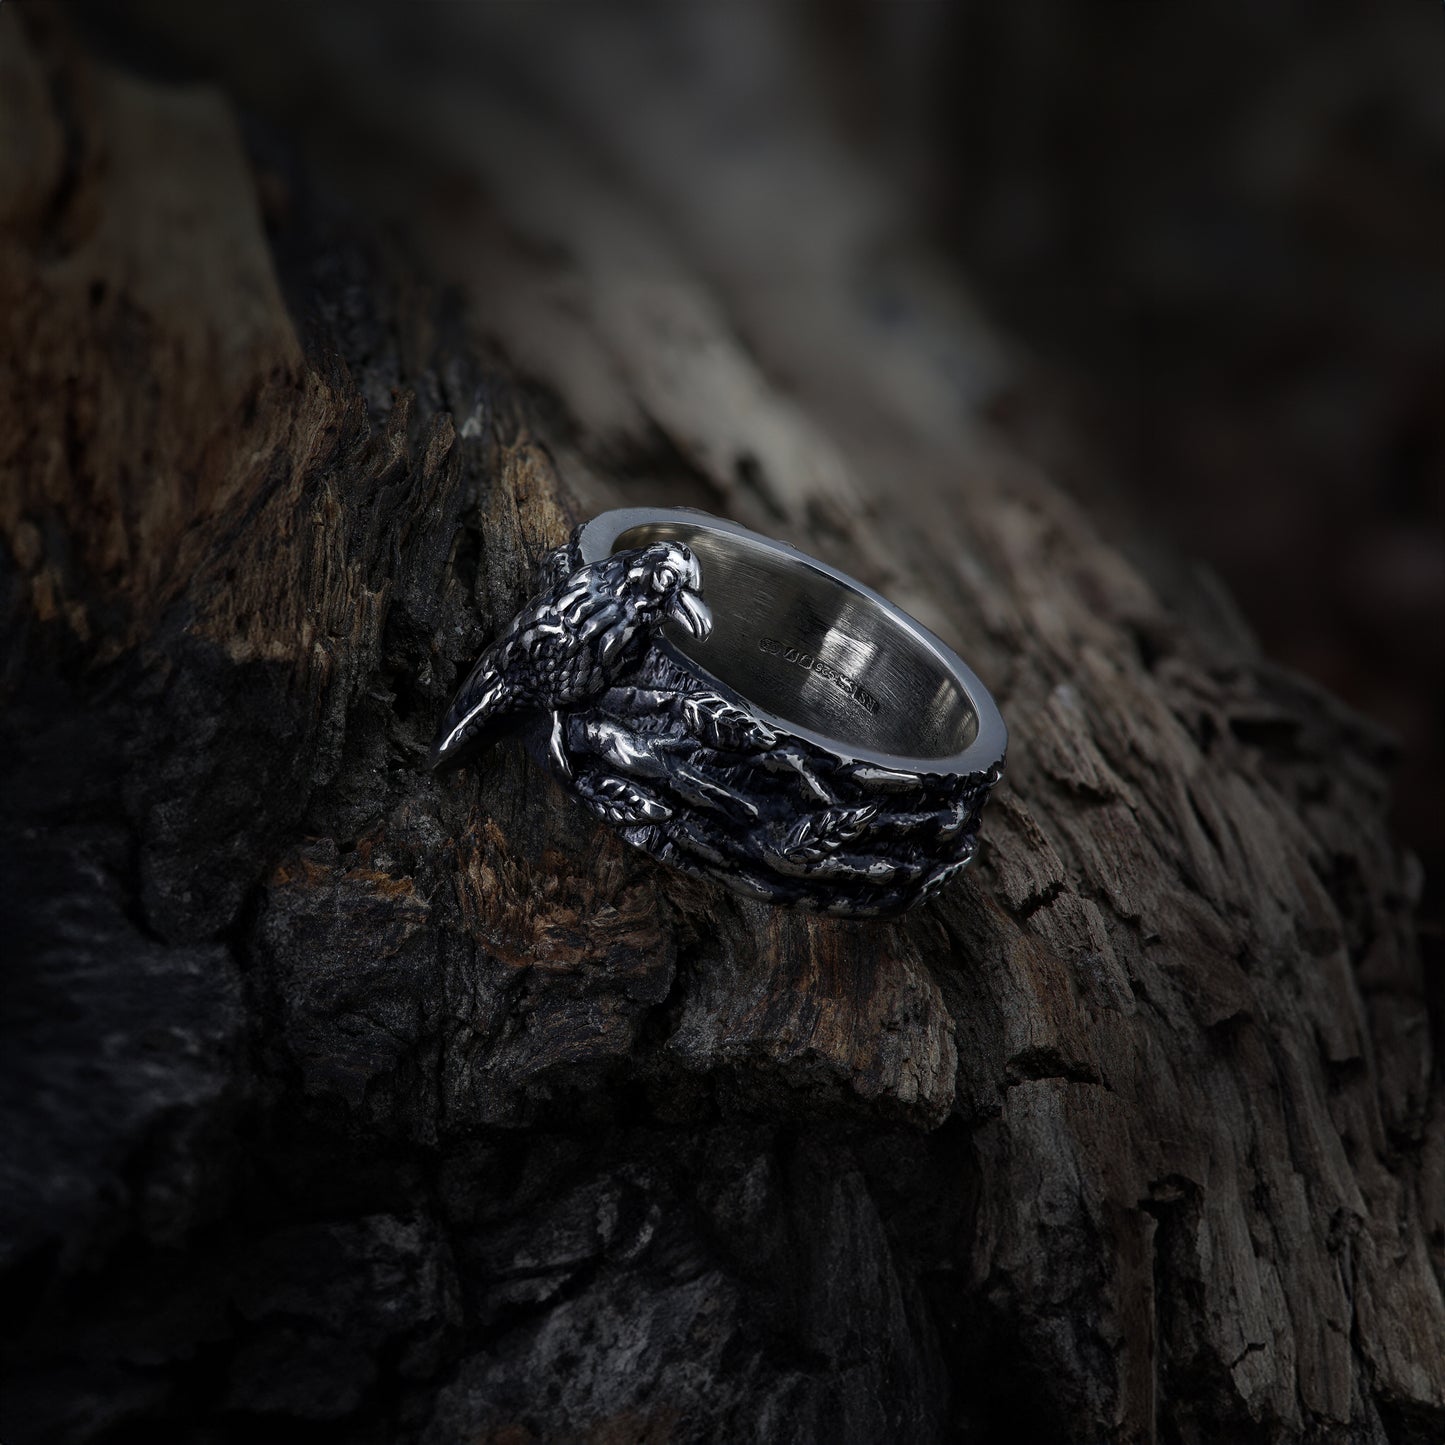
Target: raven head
[{"x": 665, "y": 583}]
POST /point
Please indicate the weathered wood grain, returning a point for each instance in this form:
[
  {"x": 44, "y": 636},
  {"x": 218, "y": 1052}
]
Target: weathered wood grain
[{"x": 335, "y": 1093}]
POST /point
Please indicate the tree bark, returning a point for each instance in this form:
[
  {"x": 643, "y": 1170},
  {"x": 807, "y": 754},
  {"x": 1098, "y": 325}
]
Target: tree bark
[{"x": 345, "y": 1103}]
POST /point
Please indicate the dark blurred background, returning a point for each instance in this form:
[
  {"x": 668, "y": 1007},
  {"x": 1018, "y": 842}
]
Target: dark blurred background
[
  {"x": 1219, "y": 233},
  {"x": 1209, "y": 240}
]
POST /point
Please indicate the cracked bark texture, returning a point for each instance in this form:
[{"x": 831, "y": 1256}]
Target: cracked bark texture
[{"x": 342, "y": 1103}]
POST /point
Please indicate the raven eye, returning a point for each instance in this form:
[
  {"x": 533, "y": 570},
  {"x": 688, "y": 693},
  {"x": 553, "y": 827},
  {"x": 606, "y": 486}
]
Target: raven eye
[{"x": 664, "y": 578}]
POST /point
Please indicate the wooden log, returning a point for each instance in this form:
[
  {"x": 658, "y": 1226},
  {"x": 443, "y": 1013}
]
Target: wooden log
[{"x": 338, "y": 1096}]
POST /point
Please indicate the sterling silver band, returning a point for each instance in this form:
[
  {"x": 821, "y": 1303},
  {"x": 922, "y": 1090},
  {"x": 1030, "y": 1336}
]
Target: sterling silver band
[{"x": 794, "y": 735}]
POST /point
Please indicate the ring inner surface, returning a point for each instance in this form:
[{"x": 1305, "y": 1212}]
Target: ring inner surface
[{"x": 812, "y": 651}]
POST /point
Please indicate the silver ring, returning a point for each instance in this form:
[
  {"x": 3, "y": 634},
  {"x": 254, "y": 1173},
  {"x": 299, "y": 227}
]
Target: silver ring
[{"x": 796, "y": 735}]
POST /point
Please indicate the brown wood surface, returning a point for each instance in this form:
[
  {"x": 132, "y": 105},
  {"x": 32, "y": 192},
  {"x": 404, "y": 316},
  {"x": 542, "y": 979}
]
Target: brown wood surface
[{"x": 341, "y": 1099}]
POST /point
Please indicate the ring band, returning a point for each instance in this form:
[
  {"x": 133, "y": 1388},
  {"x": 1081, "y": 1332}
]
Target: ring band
[{"x": 796, "y": 735}]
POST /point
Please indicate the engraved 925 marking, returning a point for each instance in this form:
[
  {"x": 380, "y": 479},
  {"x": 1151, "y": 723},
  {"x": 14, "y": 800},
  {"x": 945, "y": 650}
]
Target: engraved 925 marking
[{"x": 819, "y": 668}]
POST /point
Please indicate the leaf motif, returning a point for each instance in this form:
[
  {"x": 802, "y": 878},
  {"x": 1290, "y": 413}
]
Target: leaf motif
[
  {"x": 814, "y": 836},
  {"x": 720, "y": 724},
  {"x": 619, "y": 801}
]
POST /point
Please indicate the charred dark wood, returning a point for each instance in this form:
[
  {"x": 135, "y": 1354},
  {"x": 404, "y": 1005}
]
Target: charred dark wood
[{"x": 345, "y": 1103}]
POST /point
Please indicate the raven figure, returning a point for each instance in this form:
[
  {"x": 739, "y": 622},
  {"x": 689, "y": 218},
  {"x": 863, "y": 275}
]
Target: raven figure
[{"x": 572, "y": 642}]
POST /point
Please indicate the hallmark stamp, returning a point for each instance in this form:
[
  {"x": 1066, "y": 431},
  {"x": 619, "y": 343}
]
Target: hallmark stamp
[{"x": 819, "y": 668}]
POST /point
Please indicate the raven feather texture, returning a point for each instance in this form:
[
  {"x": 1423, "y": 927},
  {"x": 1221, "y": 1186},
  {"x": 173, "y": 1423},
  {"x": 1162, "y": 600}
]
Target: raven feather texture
[{"x": 573, "y": 640}]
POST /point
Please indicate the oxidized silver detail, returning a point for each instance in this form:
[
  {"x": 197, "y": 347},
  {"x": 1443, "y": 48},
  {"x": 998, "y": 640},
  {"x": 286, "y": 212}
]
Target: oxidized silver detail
[
  {"x": 709, "y": 779},
  {"x": 588, "y": 627}
]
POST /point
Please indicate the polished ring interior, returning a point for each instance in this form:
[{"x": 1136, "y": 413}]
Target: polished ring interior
[{"x": 811, "y": 649}]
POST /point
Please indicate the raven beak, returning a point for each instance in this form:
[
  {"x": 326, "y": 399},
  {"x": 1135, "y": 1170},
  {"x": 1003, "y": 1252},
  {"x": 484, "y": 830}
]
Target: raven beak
[{"x": 691, "y": 612}]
